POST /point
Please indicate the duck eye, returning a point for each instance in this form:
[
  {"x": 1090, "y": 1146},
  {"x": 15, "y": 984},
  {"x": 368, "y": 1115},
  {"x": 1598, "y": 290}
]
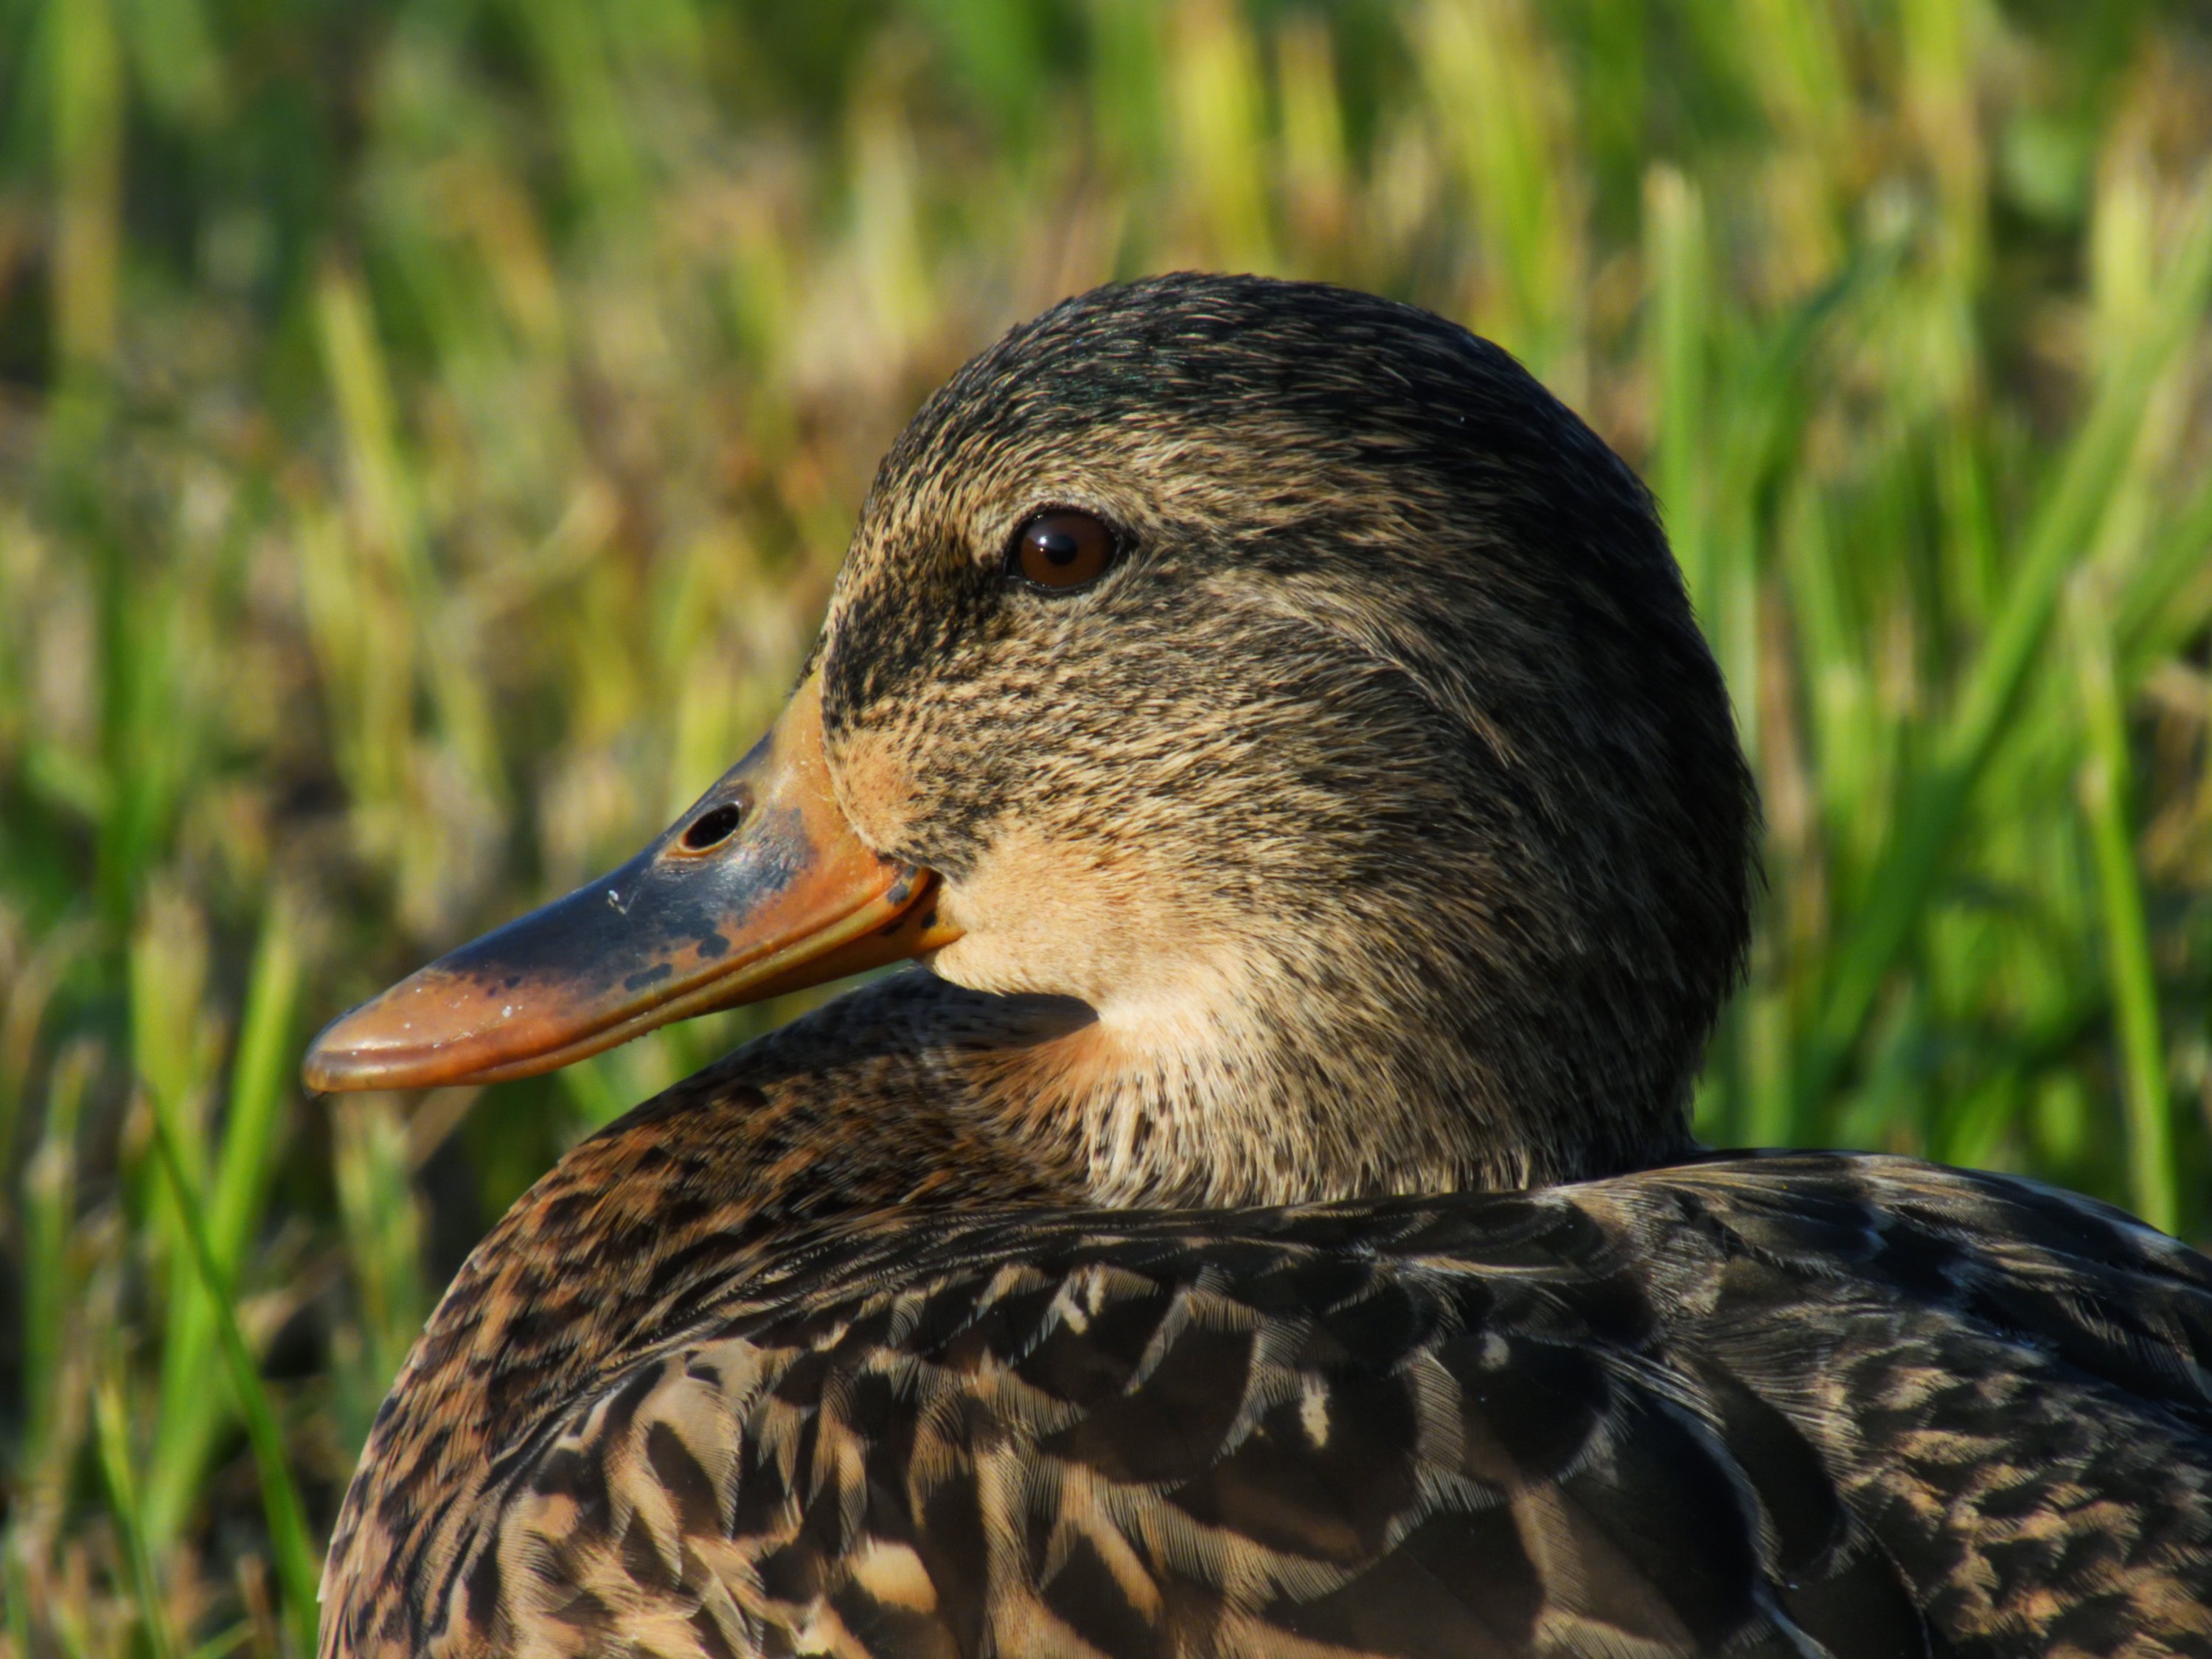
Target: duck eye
[{"x": 1061, "y": 549}]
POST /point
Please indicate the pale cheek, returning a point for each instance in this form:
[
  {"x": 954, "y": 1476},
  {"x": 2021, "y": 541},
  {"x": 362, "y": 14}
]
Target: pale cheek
[
  {"x": 991, "y": 962},
  {"x": 1035, "y": 919},
  {"x": 1062, "y": 943},
  {"x": 874, "y": 789},
  {"x": 1041, "y": 918}
]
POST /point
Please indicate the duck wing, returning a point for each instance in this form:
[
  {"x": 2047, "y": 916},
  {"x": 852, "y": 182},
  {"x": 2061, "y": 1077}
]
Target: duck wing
[{"x": 1778, "y": 1405}]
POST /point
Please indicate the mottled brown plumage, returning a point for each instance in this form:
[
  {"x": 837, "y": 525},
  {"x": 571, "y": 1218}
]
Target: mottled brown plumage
[{"x": 1273, "y": 1228}]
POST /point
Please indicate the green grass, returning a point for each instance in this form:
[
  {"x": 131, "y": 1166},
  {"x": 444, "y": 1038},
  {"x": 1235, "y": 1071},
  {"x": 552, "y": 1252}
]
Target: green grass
[{"x": 427, "y": 432}]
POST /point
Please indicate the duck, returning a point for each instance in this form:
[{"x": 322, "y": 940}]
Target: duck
[{"x": 1262, "y": 1219}]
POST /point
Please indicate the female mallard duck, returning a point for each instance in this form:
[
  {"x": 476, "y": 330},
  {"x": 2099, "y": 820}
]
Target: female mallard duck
[{"x": 1273, "y": 1228}]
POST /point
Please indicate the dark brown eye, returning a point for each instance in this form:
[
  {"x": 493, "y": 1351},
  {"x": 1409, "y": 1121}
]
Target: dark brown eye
[{"x": 1061, "y": 549}]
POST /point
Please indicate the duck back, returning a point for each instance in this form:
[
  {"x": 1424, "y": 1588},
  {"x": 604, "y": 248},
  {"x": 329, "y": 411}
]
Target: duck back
[{"x": 1785, "y": 1403}]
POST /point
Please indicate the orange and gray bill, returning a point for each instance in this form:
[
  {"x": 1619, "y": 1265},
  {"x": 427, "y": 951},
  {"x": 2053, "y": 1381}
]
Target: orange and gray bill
[{"x": 761, "y": 888}]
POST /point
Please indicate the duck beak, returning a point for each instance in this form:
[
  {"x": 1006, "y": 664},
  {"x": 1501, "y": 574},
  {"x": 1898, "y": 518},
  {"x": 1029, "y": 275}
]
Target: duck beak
[{"x": 761, "y": 888}]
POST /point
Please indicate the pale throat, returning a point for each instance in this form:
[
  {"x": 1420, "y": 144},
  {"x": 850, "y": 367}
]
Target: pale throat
[
  {"x": 1128, "y": 1094},
  {"x": 1203, "y": 1079},
  {"x": 1174, "y": 1097},
  {"x": 1206, "y": 1077}
]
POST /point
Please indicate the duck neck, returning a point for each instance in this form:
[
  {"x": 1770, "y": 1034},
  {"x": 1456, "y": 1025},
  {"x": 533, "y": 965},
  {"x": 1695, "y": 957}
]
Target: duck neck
[{"x": 1283, "y": 1084}]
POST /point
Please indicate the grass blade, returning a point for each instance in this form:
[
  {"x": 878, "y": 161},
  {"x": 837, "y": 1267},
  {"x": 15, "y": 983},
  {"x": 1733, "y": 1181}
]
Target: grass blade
[
  {"x": 298, "y": 1568},
  {"x": 87, "y": 106},
  {"x": 49, "y": 1279},
  {"x": 260, "y": 1084},
  {"x": 2106, "y": 784},
  {"x": 111, "y": 1429}
]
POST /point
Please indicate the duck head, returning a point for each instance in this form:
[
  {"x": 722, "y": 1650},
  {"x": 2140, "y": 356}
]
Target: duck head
[{"x": 1279, "y": 675}]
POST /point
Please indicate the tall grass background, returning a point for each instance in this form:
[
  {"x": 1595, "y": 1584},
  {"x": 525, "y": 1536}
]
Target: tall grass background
[{"x": 428, "y": 432}]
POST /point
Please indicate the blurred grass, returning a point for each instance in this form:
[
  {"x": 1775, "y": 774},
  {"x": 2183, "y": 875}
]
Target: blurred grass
[{"x": 427, "y": 432}]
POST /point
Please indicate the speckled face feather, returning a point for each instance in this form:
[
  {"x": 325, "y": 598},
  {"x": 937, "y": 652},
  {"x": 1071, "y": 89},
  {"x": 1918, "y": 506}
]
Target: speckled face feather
[{"x": 1373, "y": 831}]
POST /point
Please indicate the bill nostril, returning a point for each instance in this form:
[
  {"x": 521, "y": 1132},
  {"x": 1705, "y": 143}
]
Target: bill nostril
[{"x": 713, "y": 826}]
